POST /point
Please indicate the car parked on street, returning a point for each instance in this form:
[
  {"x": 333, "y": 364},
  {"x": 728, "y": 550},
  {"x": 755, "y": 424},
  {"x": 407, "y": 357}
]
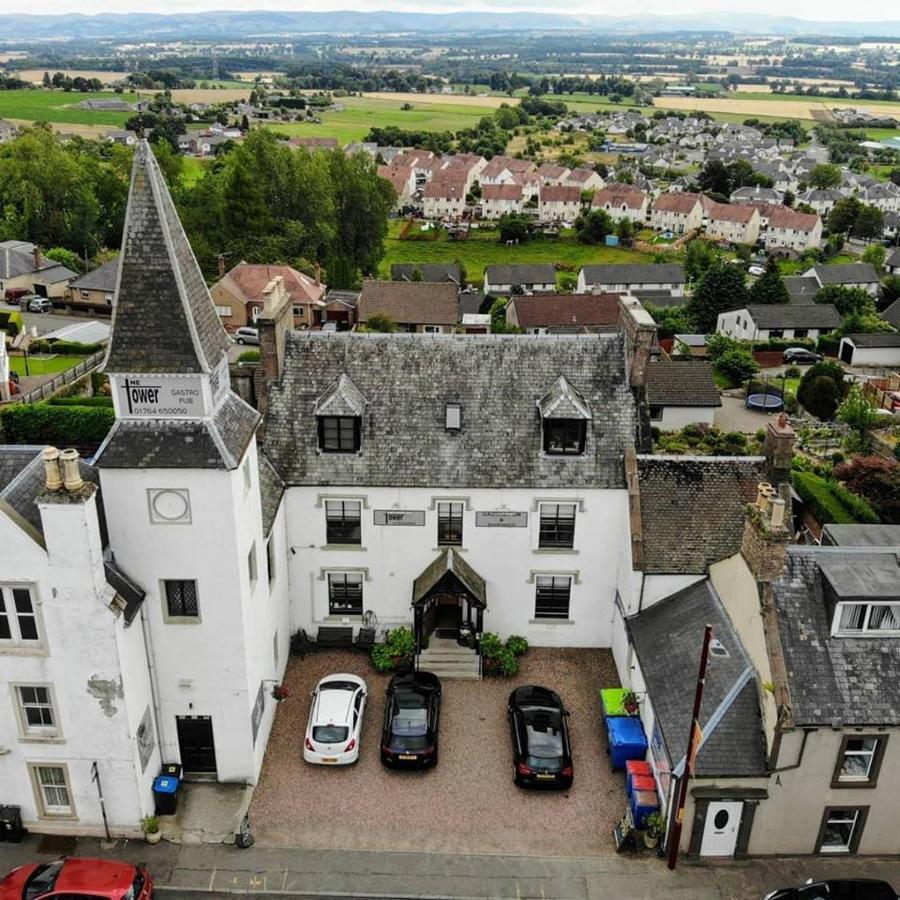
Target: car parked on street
[
  {"x": 247, "y": 335},
  {"x": 40, "y": 305},
  {"x": 837, "y": 889},
  {"x": 335, "y": 721},
  {"x": 412, "y": 711},
  {"x": 542, "y": 754},
  {"x": 756, "y": 271},
  {"x": 801, "y": 355},
  {"x": 73, "y": 877}
]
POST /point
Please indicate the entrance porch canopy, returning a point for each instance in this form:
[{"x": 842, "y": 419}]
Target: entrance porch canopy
[{"x": 449, "y": 570}]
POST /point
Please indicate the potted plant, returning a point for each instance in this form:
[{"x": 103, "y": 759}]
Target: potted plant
[
  {"x": 150, "y": 827},
  {"x": 280, "y": 692},
  {"x": 653, "y": 829},
  {"x": 630, "y": 703}
]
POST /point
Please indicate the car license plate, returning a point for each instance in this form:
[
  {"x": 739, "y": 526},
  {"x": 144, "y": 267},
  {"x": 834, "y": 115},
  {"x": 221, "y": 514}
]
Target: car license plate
[
  {"x": 408, "y": 756},
  {"x": 543, "y": 777},
  {"x": 329, "y": 759}
]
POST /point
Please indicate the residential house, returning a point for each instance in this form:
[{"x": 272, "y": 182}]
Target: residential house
[
  {"x": 520, "y": 279},
  {"x": 427, "y": 307},
  {"x": 801, "y": 289},
  {"x": 792, "y": 231},
  {"x": 7, "y": 131},
  {"x": 681, "y": 392},
  {"x": 444, "y": 198},
  {"x": 468, "y": 165},
  {"x": 339, "y": 310},
  {"x": 23, "y": 266},
  {"x": 559, "y": 203},
  {"x": 124, "y": 137},
  {"x": 822, "y": 200},
  {"x": 678, "y": 212},
  {"x": 584, "y": 180},
  {"x": 427, "y": 272},
  {"x": 500, "y": 200},
  {"x": 240, "y": 294},
  {"x": 628, "y": 277},
  {"x": 95, "y": 290},
  {"x": 403, "y": 181},
  {"x": 892, "y": 263},
  {"x": 883, "y": 195},
  {"x": 564, "y": 313},
  {"x": 761, "y": 322},
  {"x": 892, "y": 314},
  {"x": 622, "y": 201},
  {"x": 850, "y": 275},
  {"x": 733, "y": 223},
  {"x": 504, "y": 169},
  {"x": 552, "y": 173},
  {"x": 757, "y": 194},
  {"x": 880, "y": 350}
]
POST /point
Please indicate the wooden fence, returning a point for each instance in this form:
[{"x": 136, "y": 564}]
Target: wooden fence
[{"x": 88, "y": 364}]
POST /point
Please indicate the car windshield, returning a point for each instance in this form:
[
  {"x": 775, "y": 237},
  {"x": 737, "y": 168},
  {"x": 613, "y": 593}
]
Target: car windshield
[
  {"x": 543, "y": 728},
  {"x": 42, "y": 880},
  {"x": 330, "y": 734},
  {"x": 409, "y": 728}
]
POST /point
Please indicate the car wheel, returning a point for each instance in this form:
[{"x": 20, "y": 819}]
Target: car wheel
[{"x": 240, "y": 340}]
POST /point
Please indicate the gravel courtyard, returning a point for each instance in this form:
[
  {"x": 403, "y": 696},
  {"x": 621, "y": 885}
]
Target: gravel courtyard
[{"x": 468, "y": 803}]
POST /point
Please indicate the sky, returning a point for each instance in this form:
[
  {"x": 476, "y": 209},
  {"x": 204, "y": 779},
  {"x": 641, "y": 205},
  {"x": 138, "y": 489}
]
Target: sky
[{"x": 821, "y": 10}]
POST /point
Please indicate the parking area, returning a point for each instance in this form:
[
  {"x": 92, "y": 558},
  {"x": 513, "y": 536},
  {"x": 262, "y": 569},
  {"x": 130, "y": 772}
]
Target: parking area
[{"x": 468, "y": 804}]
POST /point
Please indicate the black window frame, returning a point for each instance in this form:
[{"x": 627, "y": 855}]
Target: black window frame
[
  {"x": 345, "y": 593},
  {"x": 175, "y": 591},
  {"x": 552, "y": 601},
  {"x": 574, "y": 436},
  {"x": 556, "y": 532},
  {"x": 450, "y": 523},
  {"x": 348, "y": 440},
  {"x": 343, "y": 529}
]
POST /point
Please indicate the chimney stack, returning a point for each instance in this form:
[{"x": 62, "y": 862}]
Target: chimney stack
[
  {"x": 221, "y": 260},
  {"x": 778, "y": 449},
  {"x": 767, "y": 532},
  {"x": 36, "y": 252},
  {"x": 273, "y": 323},
  {"x": 318, "y": 274},
  {"x": 71, "y": 473},
  {"x": 52, "y": 478}
]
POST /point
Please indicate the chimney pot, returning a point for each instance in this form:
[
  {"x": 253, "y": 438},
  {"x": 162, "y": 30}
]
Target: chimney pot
[
  {"x": 37, "y": 256},
  {"x": 763, "y": 492},
  {"x": 776, "y": 509},
  {"x": 221, "y": 260},
  {"x": 71, "y": 473},
  {"x": 52, "y": 477}
]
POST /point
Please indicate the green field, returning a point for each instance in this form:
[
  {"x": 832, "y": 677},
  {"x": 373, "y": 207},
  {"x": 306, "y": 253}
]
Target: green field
[
  {"x": 39, "y": 364},
  {"x": 62, "y": 107},
  {"x": 193, "y": 170},
  {"x": 483, "y": 249}
]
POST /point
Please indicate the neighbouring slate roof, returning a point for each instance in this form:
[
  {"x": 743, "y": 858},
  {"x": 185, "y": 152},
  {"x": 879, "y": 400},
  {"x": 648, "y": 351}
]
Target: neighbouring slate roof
[
  {"x": 872, "y": 576},
  {"x": 449, "y": 563},
  {"x": 470, "y": 302},
  {"x": 830, "y": 677},
  {"x": 410, "y": 302},
  {"x": 408, "y": 379},
  {"x": 660, "y": 273},
  {"x": 794, "y": 315},
  {"x": 521, "y": 274},
  {"x": 861, "y": 535},
  {"x": 849, "y": 273},
  {"x": 878, "y": 339},
  {"x": 216, "y": 443},
  {"x": 14, "y": 458},
  {"x": 692, "y": 509},
  {"x": 894, "y": 258},
  {"x": 102, "y": 278},
  {"x": 163, "y": 317},
  {"x": 801, "y": 288},
  {"x": 130, "y": 591},
  {"x": 681, "y": 383},
  {"x": 892, "y": 313},
  {"x": 668, "y": 638},
  {"x": 429, "y": 271},
  {"x": 271, "y": 490}
]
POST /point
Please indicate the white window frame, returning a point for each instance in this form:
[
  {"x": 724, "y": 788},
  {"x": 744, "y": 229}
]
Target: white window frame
[
  {"x": 870, "y": 754},
  {"x": 50, "y": 810},
  {"x": 853, "y": 822},
  {"x": 864, "y": 631},
  {"x": 36, "y": 732},
  {"x": 16, "y": 641}
]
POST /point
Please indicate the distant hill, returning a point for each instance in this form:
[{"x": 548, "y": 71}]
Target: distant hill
[{"x": 222, "y": 24}]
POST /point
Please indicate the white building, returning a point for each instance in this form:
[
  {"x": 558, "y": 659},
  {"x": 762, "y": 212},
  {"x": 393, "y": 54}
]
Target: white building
[
  {"x": 622, "y": 201},
  {"x": 848, "y": 275},
  {"x": 681, "y": 392},
  {"x": 876, "y": 350},
  {"x": 500, "y": 200},
  {"x": 733, "y": 223},
  {"x": 677, "y": 212},
  {"x": 559, "y": 203},
  {"x": 761, "y": 322},
  {"x": 792, "y": 231},
  {"x": 628, "y": 277},
  {"x": 519, "y": 278},
  {"x": 444, "y": 198}
]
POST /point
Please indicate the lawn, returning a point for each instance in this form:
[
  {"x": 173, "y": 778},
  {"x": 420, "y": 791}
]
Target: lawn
[
  {"x": 193, "y": 170},
  {"x": 58, "y": 106},
  {"x": 483, "y": 249},
  {"x": 40, "y": 364}
]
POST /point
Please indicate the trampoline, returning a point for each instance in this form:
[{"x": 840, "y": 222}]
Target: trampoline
[{"x": 765, "y": 402}]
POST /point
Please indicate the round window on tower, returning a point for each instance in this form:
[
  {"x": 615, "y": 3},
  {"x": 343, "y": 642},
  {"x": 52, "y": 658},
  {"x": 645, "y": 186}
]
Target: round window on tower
[{"x": 169, "y": 506}]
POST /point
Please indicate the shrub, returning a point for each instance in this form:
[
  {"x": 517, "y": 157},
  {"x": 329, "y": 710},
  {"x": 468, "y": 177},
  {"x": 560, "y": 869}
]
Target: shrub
[
  {"x": 829, "y": 344},
  {"x": 830, "y": 502},
  {"x": 518, "y": 645},
  {"x": 822, "y": 389},
  {"x": 65, "y": 348},
  {"x": 792, "y": 372},
  {"x": 249, "y": 356},
  {"x": 507, "y": 662},
  {"x": 491, "y": 644},
  {"x": 736, "y": 365},
  {"x": 63, "y": 426},
  {"x": 102, "y": 401},
  {"x": 11, "y": 322},
  {"x": 398, "y": 648}
]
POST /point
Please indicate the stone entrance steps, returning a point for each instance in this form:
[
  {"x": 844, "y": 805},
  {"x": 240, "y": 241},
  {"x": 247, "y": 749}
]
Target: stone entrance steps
[{"x": 447, "y": 659}]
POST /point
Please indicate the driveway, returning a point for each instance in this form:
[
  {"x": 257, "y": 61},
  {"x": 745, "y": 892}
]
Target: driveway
[{"x": 469, "y": 803}]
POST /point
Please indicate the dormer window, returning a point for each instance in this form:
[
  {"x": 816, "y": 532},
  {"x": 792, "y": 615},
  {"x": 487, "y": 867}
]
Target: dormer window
[
  {"x": 339, "y": 413},
  {"x": 868, "y": 618},
  {"x": 339, "y": 434},
  {"x": 564, "y": 418}
]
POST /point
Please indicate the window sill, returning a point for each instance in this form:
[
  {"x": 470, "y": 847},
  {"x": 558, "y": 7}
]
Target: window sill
[
  {"x": 41, "y": 739},
  {"x": 442, "y": 547},
  {"x": 549, "y": 621},
  {"x": 18, "y": 650},
  {"x": 556, "y": 550},
  {"x": 351, "y": 547},
  {"x": 332, "y": 618},
  {"x": 182, "y": 620},
  {"x": 853, "y": 785}
]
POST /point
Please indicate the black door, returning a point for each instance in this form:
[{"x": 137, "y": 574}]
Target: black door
[{"x": 195, "y": 741}]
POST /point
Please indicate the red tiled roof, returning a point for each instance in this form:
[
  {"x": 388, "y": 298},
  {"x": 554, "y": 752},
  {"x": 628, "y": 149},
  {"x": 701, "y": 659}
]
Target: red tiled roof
[
  {"x": 783, "y": 217},
  {"x": 548, "y": 310},
  {"x": 501, "y": 192},
  {"x": 398, "y": 176},
  {"x": 248, "y": 280},
  {"x": 619, "y": 195},
  {"x": 676, "y": 202},
  {"x": 551, "y": 193},
  {"x": 447, "y": 188},
  {"x": 726, "y": 212}
]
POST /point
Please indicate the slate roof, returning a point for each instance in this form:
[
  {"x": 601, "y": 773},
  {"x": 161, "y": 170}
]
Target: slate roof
[
  {"x": 17, "y": 258},
  {"x": 216, "y": 443},
  {"x": 410, "y": 302},
  {"x": 521, "y": 274},
  {"x": 861, "y": 535},
  {"x": 103, "y": 278},
  {"x": 894, "y": 259},
  {"x": 668, "y": 638},
  {"x": 548, "y": 310},
  {"x": 892, "y": 313},
  {"x": 271, "y": 490},
  {"x": 449, "y": 563},
  {"x": 801, "y": 288},
  {"x": 850, "y": 273},
  {"x": 637, "y": 273},
  {"x": 407, "y": 380},
  {"x": 880, "y": 339},
  {"x": 681, "y": 383},
  {"x": 163, "y": 317},
  {"x": 832, "y": 677},
  {"x": 794, "y": 315},
  {"x": 429, "y": 271}
]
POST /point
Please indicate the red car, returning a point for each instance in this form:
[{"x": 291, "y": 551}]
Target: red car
[{"x": 84, "y": 879}]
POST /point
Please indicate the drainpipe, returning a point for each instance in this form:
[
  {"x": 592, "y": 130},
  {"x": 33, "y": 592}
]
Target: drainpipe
[{"x": 151, "y": 671}]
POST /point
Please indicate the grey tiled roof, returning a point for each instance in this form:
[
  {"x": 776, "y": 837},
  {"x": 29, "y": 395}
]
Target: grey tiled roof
[
  {"x": 850, "y": 679},
  {"x": 163, "y": 317},
  {"x": 660, "y": 273},
  {"x": 103, "y": 278},
  {"x": 892, "y": 313},
  {"x": 271, "y": 490},
  {"x": 408, "y": 379},
  {"x": 668, "y": 638},
  {"x": 692, "y": 509},
  {"x": 794, "y": 315},
  {"x": 14, "y": 458},
  {"x": 877, "y": 339},
  {"x": 894, "y": 258},
  {"x": 849, "y": 273},
  {"x": 429, "y": 271},
  {"x": 801, "y": 289},
  {"x": 861, "y": 535},
  {"x": 681, "y": 383},
  {"x": 217, "y": 443},
  {"x": 540, "y": 273}
]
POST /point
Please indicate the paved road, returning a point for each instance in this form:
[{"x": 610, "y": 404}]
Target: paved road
[{"x": 44, "y": 322}]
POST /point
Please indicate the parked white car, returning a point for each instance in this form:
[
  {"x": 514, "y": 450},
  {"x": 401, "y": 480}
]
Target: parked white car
[{"x": 335, "y": 720}]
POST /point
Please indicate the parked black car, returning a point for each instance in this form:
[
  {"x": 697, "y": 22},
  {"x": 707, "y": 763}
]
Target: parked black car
[
  {"x": 542, "y": 754},
  {"x": 800, "y": 355},
  {"x": 838, "y": 889},
  {"x": 412, "y": 713}
]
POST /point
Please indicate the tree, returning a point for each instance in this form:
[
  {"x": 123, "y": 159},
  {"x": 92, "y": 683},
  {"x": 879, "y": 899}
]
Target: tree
[
  {"x": 877, "y": 480},
  {"x": 245, "y": 123},
  {"x": 890, "y": 291},
  {"x": 861, "y": 416},
  {"x": 847, "y": 301},
  {"x": 699, "y": 255},
  {"x": 869, "y": 223},
  {"x": 736, "y": 365},
  {"x": 381, "y": 322},
  {"x": 513, "y": 227},
  {"x": 843, "y": 215},
  {"x": 825, "y": 175},
  {"x": 822, "y": 389},
  {"x": 715, "y": 178},
  {"x": 670, "y": 320},
  {"x": 593, "y": 227},
  {"x": 66, "y": 258},
  {"x": 770, "y": 288},
  {"x": 625, "y": 230},
  {"x": 47, "y": 83},
  {"x": 720, "y": 287},
  {"x": 875, "y": 255}
]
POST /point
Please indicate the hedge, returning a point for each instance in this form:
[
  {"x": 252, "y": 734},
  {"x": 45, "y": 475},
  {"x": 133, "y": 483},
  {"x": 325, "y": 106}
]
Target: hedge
[
  {"x": 66, "y": 348},
  {"x": 831, "y": 503},
  {"x": 11, "y": 322},
  {"x": 102, "y": 401},
  {"x": 63, "y": 426},
  {"x": 829, "y": 344},
  {"x": 784, "y": 343}
]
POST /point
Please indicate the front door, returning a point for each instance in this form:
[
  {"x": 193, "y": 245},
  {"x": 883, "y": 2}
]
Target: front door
[
  {"x": 195, "y": 741},
  {"x": 723, "y": 818}
]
